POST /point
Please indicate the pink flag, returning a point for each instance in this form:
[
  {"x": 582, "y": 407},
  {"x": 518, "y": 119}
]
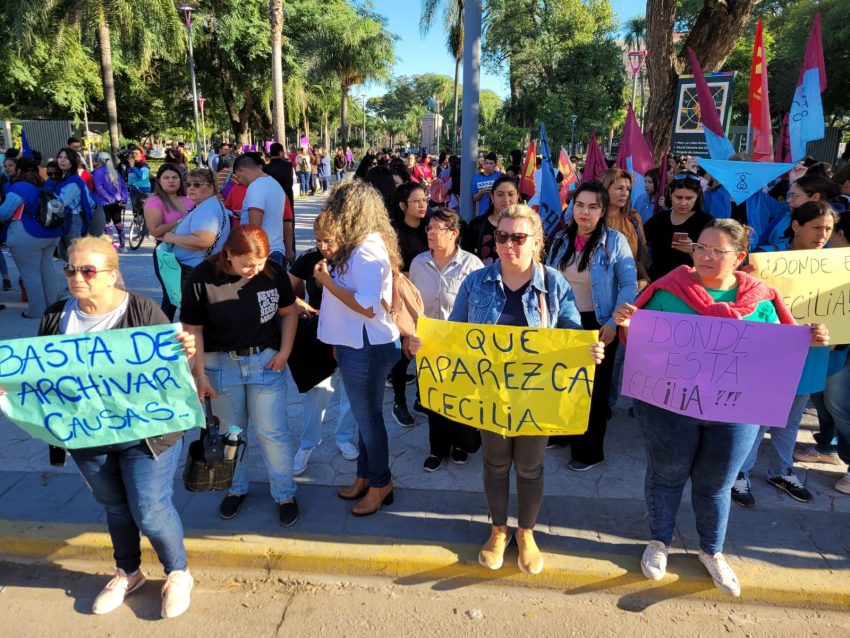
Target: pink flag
[
  {"x": 633, "y": 145},
  {"x": 594, "y": 163},
  {"x": 719, "y": 146}
]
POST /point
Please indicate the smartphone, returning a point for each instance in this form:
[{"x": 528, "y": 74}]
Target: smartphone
[{"x": 681, "y": 237}]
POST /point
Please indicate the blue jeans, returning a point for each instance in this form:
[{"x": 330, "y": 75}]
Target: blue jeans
[
  {"x": 251, "y": 395},
  {"x": 826, "y": 441},
  {"x": 304, "y": 182},
  {"x": 323, "y": 182},
  {"x": 136, "y": 490},
  {"x": 364, "y": 372},
  {"x": 836, "y": 396},
  {"x": 315, "y": 402},
  {"x": 340, "y": 175},
  {"x": 782, "y": 441},
  {"x": 706, "y": 452}
]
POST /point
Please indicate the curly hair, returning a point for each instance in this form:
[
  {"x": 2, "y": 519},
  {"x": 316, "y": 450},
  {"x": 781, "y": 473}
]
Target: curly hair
[{"x": 355, "y": 209}]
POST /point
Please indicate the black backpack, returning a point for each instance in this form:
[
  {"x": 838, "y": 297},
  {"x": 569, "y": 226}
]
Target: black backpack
[{"x": 51, "y": 210}]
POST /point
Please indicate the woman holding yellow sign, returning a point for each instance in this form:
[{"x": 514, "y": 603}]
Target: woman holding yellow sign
[{"x": 516, "y": 290}]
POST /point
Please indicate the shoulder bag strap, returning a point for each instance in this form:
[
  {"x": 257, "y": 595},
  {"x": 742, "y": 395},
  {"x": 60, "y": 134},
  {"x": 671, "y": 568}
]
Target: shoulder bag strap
[
  {"x": 220, "y": 229},
  {"x": 541, "y": 300}
]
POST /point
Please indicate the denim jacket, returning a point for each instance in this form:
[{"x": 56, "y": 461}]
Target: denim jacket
[
  {"x": 613, "y": 276},
  {"x": 481, "y": 298}
]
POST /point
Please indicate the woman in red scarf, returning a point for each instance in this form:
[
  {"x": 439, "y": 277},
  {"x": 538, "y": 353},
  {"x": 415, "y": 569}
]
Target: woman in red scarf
[{"x": 680, "y": 447}]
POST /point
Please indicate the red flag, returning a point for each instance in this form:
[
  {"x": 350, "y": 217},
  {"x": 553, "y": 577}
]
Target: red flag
[
  {"x": 594, "y": 162},
  {"x": 633, "y": 145},
  {"x": 760, "y": 102},
  {"x": 782, "y": 152},
  {"x": 568, "y": 172},
  {"x": 529, "y": 165}
]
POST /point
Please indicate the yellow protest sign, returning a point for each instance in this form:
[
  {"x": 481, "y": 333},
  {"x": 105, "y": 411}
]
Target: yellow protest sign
[
  {"x": 512, "y": 381},
  {"x": 815, "y": 285}
]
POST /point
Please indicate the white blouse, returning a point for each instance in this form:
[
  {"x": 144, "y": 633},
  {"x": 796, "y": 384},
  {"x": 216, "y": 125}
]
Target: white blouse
[{"x": 369, "y": 276}]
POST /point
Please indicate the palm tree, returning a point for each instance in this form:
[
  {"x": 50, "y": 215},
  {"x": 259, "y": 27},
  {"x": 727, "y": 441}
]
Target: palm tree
[
  {"x": 142, "y": 28},
  {"x": 453, "y": 24},
  {"x": 635, "y": 40},
  {"x": 276, "y": 21},
  {"x": 352, "y": 45}
]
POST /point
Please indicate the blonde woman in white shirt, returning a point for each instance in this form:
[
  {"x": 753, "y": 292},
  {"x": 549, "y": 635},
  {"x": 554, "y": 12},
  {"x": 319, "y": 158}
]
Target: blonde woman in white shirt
[
  {"x": 437, "y": 274},
  {"x": 356, "y": 279}
]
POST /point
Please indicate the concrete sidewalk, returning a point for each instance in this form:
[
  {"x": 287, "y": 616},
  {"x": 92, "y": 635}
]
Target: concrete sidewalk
[{"x": 592, "y": 527}]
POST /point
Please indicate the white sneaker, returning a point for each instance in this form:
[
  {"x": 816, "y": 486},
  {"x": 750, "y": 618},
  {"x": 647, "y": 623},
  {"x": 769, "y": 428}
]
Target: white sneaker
[
  {"x": 348, "y": 450},
  {"x": 722, "y": 575},
  {"x": 176, "y": 593},
  {"x": 843, "y": 484},
  {"x": 302, "y": 456},
  {"x": 111, "y": 597},
  {"x": 654, "y": 561}
]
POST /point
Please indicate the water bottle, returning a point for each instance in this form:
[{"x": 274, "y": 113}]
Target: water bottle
[{"x": 231, "y": 442}]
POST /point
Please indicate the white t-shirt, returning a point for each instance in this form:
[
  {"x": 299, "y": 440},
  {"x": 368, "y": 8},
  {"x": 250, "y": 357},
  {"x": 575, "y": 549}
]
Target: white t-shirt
[
  {"x": 267, "y": 195},
  {"x": 369, "y": 276},
  {"x": 75, "y": 321}
]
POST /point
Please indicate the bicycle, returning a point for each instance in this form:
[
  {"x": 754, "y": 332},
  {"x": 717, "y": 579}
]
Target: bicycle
[{"x": 138, "y": 229}]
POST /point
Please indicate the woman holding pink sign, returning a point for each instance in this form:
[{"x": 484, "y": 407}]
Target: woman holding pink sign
[{"x": 682, "y": 448}]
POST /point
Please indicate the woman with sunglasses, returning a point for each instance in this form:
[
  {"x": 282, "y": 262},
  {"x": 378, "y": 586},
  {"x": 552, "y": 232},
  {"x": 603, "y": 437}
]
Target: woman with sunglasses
[
  {"x": 134, "y": 481},
  {"x": 410, "y": 207},
  {"x": 72, "y": 190},
  {"x": 509, "y": 293},
  {"x": 163, "y": 211},
  {"x": 682, "y": 448},
  {"x": 671, "y": 233},
  {"x": 232, "y": 303},
  {"x": 31, "y": 244},
  {"x": 205, "y": 229},
  {"x": 438, "y": 273},
  {"x": 478, "y": 238},
  {"x": 598, "y": 263}
]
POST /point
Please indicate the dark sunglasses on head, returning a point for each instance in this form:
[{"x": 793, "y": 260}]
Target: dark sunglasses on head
[
  {"x": 88, "y": 272},
  {"x": 502, "y": 237}
]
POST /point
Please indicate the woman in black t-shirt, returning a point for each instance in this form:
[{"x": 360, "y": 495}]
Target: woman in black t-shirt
[
  {"x": 231, "y": 303},
  {"x": 671, "y": 233}
]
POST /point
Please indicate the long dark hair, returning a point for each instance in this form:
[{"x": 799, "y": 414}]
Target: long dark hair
[
  {"x": 165, "y": 198},
  {"x": 402, "y": 194},
  {"x": 685, "y": 181},
  {"x": 569, "y": 235},
  {"x": 498, "y": 182},
  {"x": 73, "y": 157},
  {"x": 27, "y": 171},
  {"x": 804, "y": 213}
]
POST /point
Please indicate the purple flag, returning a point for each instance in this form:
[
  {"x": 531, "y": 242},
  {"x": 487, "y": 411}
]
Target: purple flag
[
  {"x": 719, "y": 146},
  {"x": 594, "y": 162},
  {"x": 633, "y": 145}
]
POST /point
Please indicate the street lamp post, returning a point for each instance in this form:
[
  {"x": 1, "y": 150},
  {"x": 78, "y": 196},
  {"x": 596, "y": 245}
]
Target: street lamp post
[
  {"x": 636, "y": 59},
  {"x": 363, "y": 96},
  {"x": 201, "y": 101},
  {"x": 573, "y": 117},
  {"x": 187, "y": 12}
]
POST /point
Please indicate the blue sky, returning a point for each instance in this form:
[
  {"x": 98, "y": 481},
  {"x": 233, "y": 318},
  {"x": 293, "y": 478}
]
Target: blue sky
[{"x": 416, "y": 55}]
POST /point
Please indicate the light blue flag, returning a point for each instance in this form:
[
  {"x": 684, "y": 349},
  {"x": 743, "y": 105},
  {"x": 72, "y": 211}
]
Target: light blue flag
[
  {"x": 805, "y": 122},
  {"x": 743, "y": 179},
  {"x": 550, "y": 197},
  {"x": 719, "y": 146}
]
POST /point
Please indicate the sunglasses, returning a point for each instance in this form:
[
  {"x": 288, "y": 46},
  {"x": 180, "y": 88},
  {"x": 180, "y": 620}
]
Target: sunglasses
[
  {"x": 197, "y": 184},
  {"x": 502, "y": 237},
  {"x": 88, "y": 272},
  {"x": 54, "y": 174}
]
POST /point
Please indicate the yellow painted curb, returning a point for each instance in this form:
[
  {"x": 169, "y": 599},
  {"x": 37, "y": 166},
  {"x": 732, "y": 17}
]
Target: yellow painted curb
[{"x": 419, "y": 562}]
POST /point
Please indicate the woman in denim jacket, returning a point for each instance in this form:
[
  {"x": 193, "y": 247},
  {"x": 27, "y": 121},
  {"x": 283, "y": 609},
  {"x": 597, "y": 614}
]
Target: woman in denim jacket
[
  {"x": 508, "y": 293},
  {"x": 597, "y": 262}
]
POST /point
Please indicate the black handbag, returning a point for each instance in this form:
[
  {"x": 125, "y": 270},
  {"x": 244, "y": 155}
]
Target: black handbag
[
  {"x": 206, "y": 468},
  {"x": 311, "y": 361}
]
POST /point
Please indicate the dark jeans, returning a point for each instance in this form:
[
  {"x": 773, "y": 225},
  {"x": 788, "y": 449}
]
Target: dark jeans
[
  {"x": 115, "y": 215},
  {"x": 526, "y": 454},
  {"x": 708, "y": 453},
  {"x": 398, "y": 377},
  {"x": 168, "y": 308},
  {"x": 363, "y": 371},
  {"x": 136, "y": 490},
  {"x": 588, "y": 447},
  {"x": 445, "y": 434},
  {"x": 304, "y": 182},
  {"x": 836, "y": 396},
  {"x": 825, "y": 437}
]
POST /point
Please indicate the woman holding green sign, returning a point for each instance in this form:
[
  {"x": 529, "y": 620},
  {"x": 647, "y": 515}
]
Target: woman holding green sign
[
  {"x": 681, "y": 448},
  {"x": 133, "y": 481},
  {"x": 516, "y": 290}
]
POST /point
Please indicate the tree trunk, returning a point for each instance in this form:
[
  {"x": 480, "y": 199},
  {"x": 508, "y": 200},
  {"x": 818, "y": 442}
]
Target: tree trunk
[
  {"x": 457, "y": 99},
  {"x": 343, "y": 114},
  {"x": 276, "y": 18},
  {"x": 718, "y": 26},
  {"x": 244, "y": 131},
  {"x": 104, "y": 43},
  {"x": 326, "y": 133}
]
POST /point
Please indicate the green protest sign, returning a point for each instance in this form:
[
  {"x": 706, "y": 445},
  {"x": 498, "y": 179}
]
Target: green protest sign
[{"x": 101, "y": 388}]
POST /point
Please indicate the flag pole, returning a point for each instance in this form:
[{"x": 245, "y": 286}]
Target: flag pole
[{"x": 747, "y": 148}]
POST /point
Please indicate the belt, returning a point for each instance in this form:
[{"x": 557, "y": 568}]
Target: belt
[{"x": 245, "y": 352}]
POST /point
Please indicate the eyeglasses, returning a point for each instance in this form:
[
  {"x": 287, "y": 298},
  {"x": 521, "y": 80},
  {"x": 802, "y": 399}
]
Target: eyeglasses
[
  {"x": 325, "y": 242},
  {"x": 502, "y": 237},
  {"x": 88, "y": 272},
  {"x": 197, "y": 184},
  {"x": 711, "y": 251},
  {"x": 418, "y": 202},
  {"x": 434, "y": 229}
]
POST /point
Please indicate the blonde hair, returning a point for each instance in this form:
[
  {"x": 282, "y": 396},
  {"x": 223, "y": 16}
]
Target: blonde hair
[
  {"x": 521, "y": 211},
  {"x": 612, "y": 175},
  {"x": 101, "y": 245},
  {"x": 353, "y": 210}
]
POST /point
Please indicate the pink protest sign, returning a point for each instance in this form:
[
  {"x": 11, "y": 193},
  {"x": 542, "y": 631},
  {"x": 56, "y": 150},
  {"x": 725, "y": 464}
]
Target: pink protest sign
[{"x": 724, "y": 370}]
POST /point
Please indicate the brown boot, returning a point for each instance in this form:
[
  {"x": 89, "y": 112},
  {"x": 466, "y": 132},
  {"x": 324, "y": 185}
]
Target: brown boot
[
  {"x": 492, "y": 554},
  {"x": 354, "y": 491},
  {"x": 529, "y": 561},
  {"x": 375, "y": 497}
]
